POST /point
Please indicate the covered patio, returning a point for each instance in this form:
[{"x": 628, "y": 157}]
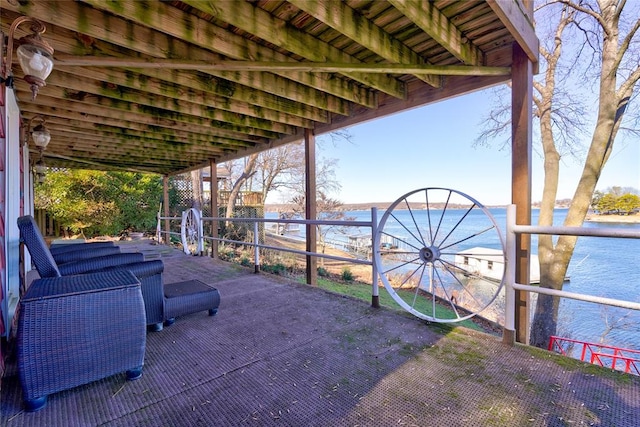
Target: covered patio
[
  {"x": 170, "y": 87},
  {"x": 174, "y": 86},
  {"x": 284, "y": 353}
]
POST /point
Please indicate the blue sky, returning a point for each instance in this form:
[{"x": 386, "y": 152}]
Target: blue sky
[{"x": 432, "y": 146}]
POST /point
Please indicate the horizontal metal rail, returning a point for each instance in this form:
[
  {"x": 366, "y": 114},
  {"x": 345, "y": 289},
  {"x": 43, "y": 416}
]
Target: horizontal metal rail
[
  {"x": 513, "y": 229},
  {"x": 257, "y": 245},
  {"x": 292, "y": 221},
  {"x": 619, "y": 233}
]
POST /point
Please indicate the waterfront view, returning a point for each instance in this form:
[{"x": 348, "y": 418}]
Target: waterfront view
[{"x": 603, "y": 267}]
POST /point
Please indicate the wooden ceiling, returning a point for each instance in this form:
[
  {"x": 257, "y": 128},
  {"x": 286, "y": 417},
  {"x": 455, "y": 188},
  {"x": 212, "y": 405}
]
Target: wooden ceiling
[{"x": 168, "y": 86}]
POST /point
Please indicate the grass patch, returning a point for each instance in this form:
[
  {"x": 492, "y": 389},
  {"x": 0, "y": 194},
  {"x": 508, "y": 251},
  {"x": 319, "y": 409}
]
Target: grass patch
[
  {"x": 571, "y": 364},
  {"x": 363, "y": 292}
]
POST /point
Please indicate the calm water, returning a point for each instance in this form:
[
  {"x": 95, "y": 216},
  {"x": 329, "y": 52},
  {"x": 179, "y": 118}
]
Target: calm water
[{"x": 604, "y": 267}]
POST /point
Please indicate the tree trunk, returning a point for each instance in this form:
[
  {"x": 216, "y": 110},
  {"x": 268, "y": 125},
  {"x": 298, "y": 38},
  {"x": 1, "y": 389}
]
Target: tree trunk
[
  {"x": 196, "y": 187},
  {"x": 554, "y": 261},
  {"x": 249, "y": 169}
]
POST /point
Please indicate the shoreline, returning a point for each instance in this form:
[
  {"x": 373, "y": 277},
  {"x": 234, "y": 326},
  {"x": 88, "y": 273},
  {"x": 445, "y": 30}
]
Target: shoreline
[
  {"x": 620, "y": 219},
  {"x": 591, "y": 217}
]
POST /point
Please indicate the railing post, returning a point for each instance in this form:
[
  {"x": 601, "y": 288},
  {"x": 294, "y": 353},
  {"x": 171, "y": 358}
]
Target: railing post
[
  {"x": 375, "y": 291},
  {"x": 165, "y": 204},
  {"x": 256, "y": 249},
  {"x": 509, "y": 331}
]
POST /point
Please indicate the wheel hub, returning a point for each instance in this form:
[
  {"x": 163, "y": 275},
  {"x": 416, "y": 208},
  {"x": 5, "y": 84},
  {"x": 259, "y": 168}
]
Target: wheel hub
[{"x": 429, "y": 254}]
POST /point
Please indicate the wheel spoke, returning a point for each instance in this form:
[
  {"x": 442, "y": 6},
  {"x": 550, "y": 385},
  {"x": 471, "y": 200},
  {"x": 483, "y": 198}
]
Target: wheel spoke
[
  {"x": 469, "y": 237},
  {"x": 399, "y": 266},
  {"x": 456, "y": 226},
  {"x": 413, "y": 218},
  {"x": 420, "y": 242}
]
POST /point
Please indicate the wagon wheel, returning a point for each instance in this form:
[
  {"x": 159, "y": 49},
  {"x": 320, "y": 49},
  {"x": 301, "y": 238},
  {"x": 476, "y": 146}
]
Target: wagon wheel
[
  {"x": 191, "y": 232},
  {"x": 418, "y": 255}
]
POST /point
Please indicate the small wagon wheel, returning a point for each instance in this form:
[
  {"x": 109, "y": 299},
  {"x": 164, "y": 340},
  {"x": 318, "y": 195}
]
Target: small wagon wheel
[{"x": 191, "y": 232}]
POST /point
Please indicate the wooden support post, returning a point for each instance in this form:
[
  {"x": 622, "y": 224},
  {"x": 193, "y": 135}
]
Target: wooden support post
[
  {"x": 521, "y": 130},
  {"x": 214, "y": 207},
  {"x": 165, "y": 196},
  {"x": 310, "y": 204}
]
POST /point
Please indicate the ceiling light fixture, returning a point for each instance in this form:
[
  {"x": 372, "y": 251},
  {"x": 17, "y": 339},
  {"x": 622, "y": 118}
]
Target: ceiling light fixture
[
  {"x": 40, "y": 134},
  {"x": 34, "y": 54}
]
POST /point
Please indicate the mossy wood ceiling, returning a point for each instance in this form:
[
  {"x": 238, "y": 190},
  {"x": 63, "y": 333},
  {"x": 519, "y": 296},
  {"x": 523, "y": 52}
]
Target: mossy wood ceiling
[{"x": 170, "y": 86}]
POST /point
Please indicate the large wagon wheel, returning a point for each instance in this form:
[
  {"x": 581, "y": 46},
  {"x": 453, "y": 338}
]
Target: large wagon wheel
[
  {"x": 191, "y": 232},
  {"x": 440, "y": 255}
]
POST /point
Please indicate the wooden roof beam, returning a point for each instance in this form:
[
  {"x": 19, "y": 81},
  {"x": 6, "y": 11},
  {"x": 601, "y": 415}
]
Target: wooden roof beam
[
  {"x": 51, "y": 107},
  {"x": 519, "y": 21},
  {"x": 138, "y": 40},
  {"x": 63, "y": 161},
  {"x": 261, "y": 24},
  {"x": 131, "y": 137},
  {"x": 347, "y": 21},
  {"x": 66, "y": 62},
  {"x": 121, "y": 94},
  {"x": 89, "y": 121},
  {"x": 430, "y": 20},
  {"x": 152, "y": 105},
  {"x": 77, "y": 147},
  {"x": 57, "y": 94},
  {"x": 96, "y": 80},
  {"x": 124, "y": 163},
  {"x": 206, "y": 45}
]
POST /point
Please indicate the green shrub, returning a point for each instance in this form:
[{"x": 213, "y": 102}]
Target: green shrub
[
  {"x": 226, "y": 253},
  {"x": 323, "y": 272},
  {"x": 346, "y": 275},
  {"x": 245, "y": 261},
  {"x": 278, "y": 268}
]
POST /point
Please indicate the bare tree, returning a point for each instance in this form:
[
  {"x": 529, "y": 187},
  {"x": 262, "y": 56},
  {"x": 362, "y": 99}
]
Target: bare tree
[
  {"x": 277, "y": 167},
  {"x": 625, "y": 322},
  {"x": 247, "y": 172},
  {"x": 608, "y": 57}
]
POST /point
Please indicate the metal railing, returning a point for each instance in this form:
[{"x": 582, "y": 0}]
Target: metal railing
[
  {"x": 599, "y": 354},
  {"x": 510, "y": 272},
  {"x": 512, "y": 230},
  {"x": 255, "y": 243}
]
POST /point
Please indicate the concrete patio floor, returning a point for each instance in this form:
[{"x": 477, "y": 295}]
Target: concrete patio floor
[{"x": 285, "y": 354}]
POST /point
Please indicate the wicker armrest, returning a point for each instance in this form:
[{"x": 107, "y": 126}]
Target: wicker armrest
[
  {"x": 141, "y": 269},
  {"x": 99, "y": 263},
  {"x": 150, "y": 275},
  {"x": 58, "y": 287}
]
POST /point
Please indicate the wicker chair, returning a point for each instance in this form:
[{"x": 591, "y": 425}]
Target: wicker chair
[
  {"x": 148, "y": 272},
  {"x": 77, "y": 251},
  {"x": 73, "y": 330}
]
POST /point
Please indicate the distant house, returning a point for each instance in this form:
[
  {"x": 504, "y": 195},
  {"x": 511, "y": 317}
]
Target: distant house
[{"x": 489, "y": 263}]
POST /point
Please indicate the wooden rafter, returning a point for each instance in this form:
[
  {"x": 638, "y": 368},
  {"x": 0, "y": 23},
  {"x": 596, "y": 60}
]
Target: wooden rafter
[
  {"x": 433, "y": 22},
  {"x": 314, "y": 67},
  {"x": 344, "y": 19},
  {"x": 263, "y": 25},
  {"x": 171, "y": 85},
  {"x": 211, "y": 40}
]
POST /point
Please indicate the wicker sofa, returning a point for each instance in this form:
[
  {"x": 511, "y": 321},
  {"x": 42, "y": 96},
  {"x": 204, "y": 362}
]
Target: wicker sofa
[
  {"x": 73, "y": 330},
  {"x": 148, "y": 272}
]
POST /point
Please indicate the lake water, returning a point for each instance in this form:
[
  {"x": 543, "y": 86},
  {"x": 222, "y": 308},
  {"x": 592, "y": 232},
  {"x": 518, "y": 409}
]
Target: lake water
[{"x": 605, "y": 267}]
